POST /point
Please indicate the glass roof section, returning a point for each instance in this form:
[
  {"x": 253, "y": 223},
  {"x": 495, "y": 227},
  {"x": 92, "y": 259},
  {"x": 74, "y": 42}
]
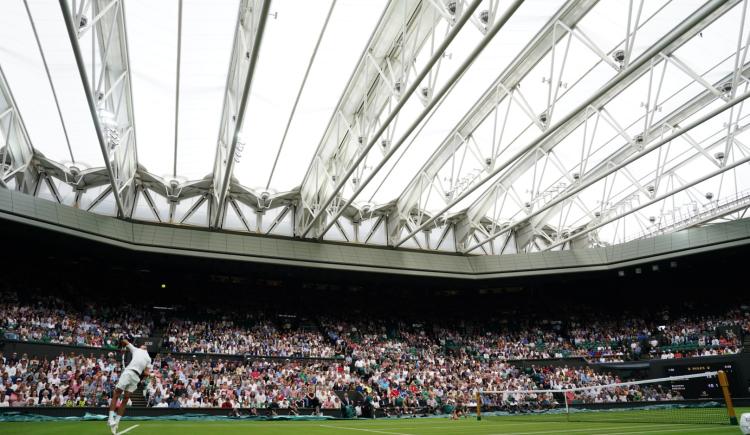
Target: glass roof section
[
  {"x": 471, "y": 126},
  {"x": 24, "y": 69},
  {"x": 284, "y": 60}
]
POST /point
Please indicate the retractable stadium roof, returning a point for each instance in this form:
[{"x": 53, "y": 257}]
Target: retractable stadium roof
[{"x": 474, "y": 126}]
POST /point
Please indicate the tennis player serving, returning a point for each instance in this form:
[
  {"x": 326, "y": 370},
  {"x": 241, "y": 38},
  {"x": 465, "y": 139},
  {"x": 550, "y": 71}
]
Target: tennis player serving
[{"x": 128, "y": 382}]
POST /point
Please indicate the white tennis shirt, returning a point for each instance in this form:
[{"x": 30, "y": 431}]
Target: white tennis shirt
[{"x": 140, "y": 360}]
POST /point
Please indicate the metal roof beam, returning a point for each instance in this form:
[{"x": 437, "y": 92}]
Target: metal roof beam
[
  {"x": 108, "y": 93},
  {"x": 670, "y": 169},
  {"x": 476, "y": 210},
  {"x": 622, "y": 154},
  {"x": 16, "y": 152},
  {"x": 376, "y": 84},
  {"x": 569, "y": 14},
  {"x": 251, "y": 21},
  {"x": 590, "y": 228},
  {"x": 526, "y": 157},
  {"x": 611, "y": 169},
  {"x": 438, "y": 96}
]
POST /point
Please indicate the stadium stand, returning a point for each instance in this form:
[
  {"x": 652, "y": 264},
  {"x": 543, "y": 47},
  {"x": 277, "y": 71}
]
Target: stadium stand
[
  {"x": 225, "y": 342},
  {"x": 432, "y": 381},
  {"x": 291, "y": 362},
  {"x": 215, "y": 215},
  {"x": 662, "y": 336}
]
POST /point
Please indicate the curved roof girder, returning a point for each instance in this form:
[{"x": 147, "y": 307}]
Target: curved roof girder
[
  {"x": 608, "y": 169},
  {"x": 437, "y": 97},
  {"x": 719, "y": 207},
  {"x": 609, "y": 164},
  {"x": 251, "y": 21},
  {"x": 28, "y": 170},
  {"x": 569, "y": 14},
  {"x": 596, "y": 225},
  {"x": 525, "y": 158},
  {"x": 108, "y": 91},
  {"x": 378, "y": 81},
  {"x": 16, "y": 152}
]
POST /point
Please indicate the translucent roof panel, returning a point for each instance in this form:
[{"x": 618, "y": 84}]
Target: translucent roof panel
[
  {"x": 395, "y": 176},
  {"x": 205, "y": 51},
  {"x": 24, "y": 69},
  {"x": 649, "y": 100},
  {"x": 570, "y": 119},
  {"x": 281, "y": 68},
  {"x": 153, "y": 64},
  {"x": 207, "y": 36}
]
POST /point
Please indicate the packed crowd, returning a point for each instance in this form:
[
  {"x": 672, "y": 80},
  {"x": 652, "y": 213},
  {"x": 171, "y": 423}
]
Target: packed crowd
[
  {"x": 259, "y": 384},
  {"x": 248, "y": 336},
  {"x": 400, "y": 366},
  {"x": 629, "y": 337},
  {"x": 404, "y": 372},
  {"x": 387, "y": 377},
  {"x": 526, "y": 340},
  {"x": 53, "y": 320},
  {"x": 72, "y": 380},
  {"x": 564, "y": 378}
]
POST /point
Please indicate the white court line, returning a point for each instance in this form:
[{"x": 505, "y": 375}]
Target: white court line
[
  {"x": 128, "y": 429},
  {"x": 449, "y": 425},
  {"x": 530, "y": 423},
  {"x": 666, "y": 430},
  {"x": 636, "y": 430},
  {"x": 586, "y": 429},
  {"x": 363, "y": 430}
]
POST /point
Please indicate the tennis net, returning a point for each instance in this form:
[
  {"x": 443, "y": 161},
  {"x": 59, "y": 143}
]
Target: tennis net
[{"x": 660, "y": 400}]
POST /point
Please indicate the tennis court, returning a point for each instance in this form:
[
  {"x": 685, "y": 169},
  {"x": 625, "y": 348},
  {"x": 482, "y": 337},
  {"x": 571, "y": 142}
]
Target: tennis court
[{"x": 529, "y": 425}]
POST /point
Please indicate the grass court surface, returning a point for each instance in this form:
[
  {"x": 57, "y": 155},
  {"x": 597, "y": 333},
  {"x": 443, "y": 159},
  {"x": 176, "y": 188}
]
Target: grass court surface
[{"x": 437, "y": 426}]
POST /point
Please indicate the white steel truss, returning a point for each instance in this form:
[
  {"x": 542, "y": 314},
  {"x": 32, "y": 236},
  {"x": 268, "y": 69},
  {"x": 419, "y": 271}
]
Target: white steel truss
[
  {"x": 16, "y": 153},
  {"x": 528, "y": 167},
  {"x": 377, "y": 91},
  {"x": 551, "y": 135},
  {"x": 438, "y": 96},
  {"x": 251, "y": 21},
  {"x": 106, "y": 83},
  {"x": 546, "y": 203},
  {"x": 461, "y": 136}
]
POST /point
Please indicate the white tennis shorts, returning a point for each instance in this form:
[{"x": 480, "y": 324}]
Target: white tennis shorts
[{"x": 128, "y": 381}]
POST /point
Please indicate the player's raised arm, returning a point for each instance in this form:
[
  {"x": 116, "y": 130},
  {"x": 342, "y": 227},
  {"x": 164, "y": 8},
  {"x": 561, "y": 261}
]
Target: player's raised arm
[{"x": 125, "y": 344}]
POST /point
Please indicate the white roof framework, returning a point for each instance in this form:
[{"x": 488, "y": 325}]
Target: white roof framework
[{"x": 472, "y": 126}]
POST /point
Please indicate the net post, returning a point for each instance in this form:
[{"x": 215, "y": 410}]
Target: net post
[
  {"x": 724, "y": 384},
  {"x": 479, "y": 406}
]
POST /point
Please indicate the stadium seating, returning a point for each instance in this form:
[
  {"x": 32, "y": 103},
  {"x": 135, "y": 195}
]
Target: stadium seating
[
  {"x": 52, "y": 320},
  {"x": 258, "y": 360},
  {"x": 392, "y": 380}
]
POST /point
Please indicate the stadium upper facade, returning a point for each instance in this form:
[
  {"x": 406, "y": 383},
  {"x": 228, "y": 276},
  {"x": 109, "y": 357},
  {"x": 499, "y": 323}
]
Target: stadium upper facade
[{"x": 481, "y": 127}]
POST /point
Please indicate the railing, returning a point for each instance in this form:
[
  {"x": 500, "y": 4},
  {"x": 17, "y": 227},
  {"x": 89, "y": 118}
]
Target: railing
[{"x": 694, "y": 216}]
